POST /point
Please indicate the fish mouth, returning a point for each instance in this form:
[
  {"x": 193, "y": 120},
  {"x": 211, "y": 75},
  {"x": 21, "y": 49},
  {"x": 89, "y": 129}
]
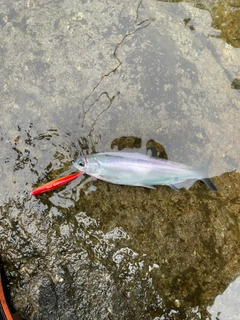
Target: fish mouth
[{"x": 77, "y": 166}]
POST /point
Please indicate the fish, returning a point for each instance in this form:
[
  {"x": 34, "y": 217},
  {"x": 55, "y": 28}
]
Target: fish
[
  {"x": 54, "y": 184},
  {"x": 135, "y": 169}
]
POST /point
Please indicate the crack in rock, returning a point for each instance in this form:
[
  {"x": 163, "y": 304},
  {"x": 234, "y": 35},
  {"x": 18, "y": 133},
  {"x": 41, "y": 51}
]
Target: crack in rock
[{"x": 85, "y": 110}]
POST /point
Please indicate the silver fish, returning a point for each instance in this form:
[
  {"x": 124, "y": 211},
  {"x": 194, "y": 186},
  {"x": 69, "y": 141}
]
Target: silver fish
[{"x": 135, "y": 169}]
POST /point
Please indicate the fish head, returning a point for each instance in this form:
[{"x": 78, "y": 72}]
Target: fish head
[
  {"x": 81, "y": 164},
  {"x": 87, "y": 164}
]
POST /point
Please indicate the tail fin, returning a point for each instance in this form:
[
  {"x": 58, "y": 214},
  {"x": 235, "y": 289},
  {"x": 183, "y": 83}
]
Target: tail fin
[{"x": 203, "y": 171}]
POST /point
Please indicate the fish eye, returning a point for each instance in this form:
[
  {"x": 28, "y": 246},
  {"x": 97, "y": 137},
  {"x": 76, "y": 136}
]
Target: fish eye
[{"x": 81, "y": 163}]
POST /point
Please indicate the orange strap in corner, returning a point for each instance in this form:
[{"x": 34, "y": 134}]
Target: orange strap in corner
[{"x": 4, "y": 302}]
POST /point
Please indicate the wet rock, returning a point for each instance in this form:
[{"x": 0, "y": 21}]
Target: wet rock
[
  {"x": 76, "y": 77},
  {"x": 126, "y": 142},
  {"x": 235, "y": 84}
]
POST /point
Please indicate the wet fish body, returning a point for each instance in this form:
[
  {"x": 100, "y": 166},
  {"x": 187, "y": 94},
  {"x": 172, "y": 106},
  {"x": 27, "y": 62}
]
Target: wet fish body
[{"x": 135, "y": 169}]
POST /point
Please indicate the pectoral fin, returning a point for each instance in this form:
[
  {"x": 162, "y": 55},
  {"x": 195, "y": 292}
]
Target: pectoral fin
[{"x": 107, "y": 178}]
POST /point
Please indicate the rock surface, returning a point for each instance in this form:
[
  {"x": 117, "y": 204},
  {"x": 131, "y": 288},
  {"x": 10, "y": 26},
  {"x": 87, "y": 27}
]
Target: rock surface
[{"x": 77, "y": 76}]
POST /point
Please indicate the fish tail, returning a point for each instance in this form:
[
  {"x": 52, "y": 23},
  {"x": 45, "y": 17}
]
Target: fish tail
[{"x": 203, "y": 171}]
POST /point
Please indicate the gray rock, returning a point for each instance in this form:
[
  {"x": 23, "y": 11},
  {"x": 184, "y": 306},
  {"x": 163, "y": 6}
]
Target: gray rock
[{"x": 74, "y": 77}]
